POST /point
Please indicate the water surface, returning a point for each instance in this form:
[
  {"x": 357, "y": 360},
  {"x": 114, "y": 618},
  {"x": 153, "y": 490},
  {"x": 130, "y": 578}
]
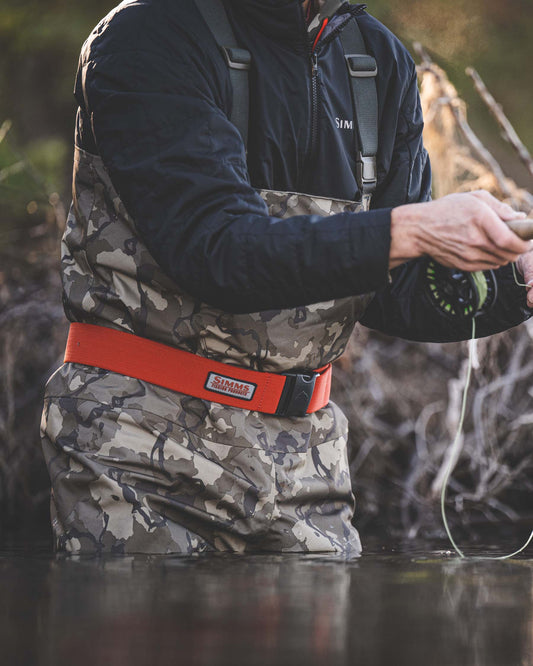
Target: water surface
[{"x": 394, "y": 605}]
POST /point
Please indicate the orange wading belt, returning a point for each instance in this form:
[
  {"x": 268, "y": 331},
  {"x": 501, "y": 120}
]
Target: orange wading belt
[{"x": 288, "y": 394}]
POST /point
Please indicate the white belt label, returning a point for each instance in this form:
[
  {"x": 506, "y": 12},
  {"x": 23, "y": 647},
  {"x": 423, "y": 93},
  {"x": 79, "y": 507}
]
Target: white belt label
[{"x": 229, "y": 386}]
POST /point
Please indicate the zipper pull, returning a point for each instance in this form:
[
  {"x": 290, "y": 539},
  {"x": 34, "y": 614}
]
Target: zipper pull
[
  {"x": 319, "y": 34},
  {"x": 314, "y": 64}
]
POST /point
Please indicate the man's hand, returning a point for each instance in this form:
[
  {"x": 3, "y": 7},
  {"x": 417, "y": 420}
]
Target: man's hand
[
  {"x": 465, "y": 231},
  {"x": 525, "y": 266}
]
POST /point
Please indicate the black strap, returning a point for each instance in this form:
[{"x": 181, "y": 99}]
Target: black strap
[
  {"x": 363, "y": 70},
  {"x": 237, "y": 59}
]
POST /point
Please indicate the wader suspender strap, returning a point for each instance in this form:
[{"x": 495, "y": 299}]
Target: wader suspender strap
[
  {"x": 238, "y": 61},
  {"x": 363, "y": 70}
]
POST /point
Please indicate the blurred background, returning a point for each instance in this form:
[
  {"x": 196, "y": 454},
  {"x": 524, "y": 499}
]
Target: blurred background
[{"x": 402, "y": 415}]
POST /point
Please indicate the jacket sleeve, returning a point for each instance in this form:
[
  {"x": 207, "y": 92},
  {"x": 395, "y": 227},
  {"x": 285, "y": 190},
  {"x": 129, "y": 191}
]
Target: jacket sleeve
[
  {"x": 159, "y": 115},
  {"x": 403, "y": 307}
]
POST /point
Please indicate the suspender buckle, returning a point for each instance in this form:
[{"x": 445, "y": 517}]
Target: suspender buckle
[
  {"x": 236, "y": 58},
  {"x": 361, "y": 66},
  {"x": 297, "y": 394},
  {"x": 366, "y": 173}
]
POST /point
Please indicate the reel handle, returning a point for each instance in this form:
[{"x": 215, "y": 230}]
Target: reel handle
[{"x": 522, "y": 228}]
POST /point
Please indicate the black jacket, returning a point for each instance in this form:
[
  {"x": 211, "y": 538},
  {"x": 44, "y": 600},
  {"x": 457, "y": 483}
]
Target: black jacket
[{"x": 154, "y": 100}]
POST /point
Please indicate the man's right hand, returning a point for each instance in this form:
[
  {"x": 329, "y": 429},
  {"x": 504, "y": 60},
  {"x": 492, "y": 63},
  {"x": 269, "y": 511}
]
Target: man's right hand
[{"x": 465, "y": 231}]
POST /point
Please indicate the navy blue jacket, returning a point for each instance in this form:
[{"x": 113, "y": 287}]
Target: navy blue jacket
[{"x": 154, "y": 100}]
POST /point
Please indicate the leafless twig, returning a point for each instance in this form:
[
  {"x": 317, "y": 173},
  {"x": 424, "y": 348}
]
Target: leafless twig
[{"x": 496, "y": 109}]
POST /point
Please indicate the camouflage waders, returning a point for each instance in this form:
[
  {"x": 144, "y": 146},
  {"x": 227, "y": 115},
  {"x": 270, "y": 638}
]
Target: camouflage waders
[{"x": 139, "y": 468}]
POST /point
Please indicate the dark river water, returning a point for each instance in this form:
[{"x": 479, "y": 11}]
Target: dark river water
[{"x": 394, "y": 605}]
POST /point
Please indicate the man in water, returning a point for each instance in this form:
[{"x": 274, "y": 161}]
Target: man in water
[{"x": 211, "y": 284}]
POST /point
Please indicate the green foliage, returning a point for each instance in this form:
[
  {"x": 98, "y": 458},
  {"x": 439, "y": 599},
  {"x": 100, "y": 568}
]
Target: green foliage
[
  {"x": 40, "y": 42},
  {"x": 40, "y": 46},
  {"x": 48, "y": 157},
  {"x": 31, "y": 214},
  {"x": 19, "y": 185}
]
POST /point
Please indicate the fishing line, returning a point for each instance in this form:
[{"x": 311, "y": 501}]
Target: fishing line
[
  {"x": 457, "y": 442},
  {"x": 520, "y": 284}
]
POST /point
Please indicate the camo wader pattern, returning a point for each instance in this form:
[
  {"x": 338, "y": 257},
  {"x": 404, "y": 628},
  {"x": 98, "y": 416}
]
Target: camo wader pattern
[{"x": 139, "y": 468}]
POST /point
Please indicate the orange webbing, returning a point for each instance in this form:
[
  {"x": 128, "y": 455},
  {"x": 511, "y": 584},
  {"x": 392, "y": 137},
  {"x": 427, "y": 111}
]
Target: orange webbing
[{"x": 180, "y": 371}]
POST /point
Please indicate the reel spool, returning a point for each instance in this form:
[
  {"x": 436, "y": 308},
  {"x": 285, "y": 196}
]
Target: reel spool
[
  {"x": 459, "y": 293},
  {"x": 462, "y": 294}
]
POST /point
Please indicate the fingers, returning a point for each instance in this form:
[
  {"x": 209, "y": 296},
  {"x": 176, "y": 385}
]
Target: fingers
[
  {"x": 492, "y": 216},
  {"x": 481, "y": 262},
  {"x": 508, "y": 244},
  {"x": 529, "y": 293},
  {"x": 525, "y": 266},
  {"x": 503, "y": 210}
]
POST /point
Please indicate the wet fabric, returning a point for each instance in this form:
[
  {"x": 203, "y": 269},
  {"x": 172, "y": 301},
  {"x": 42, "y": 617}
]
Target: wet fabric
[{"x": 138, "y": 468}]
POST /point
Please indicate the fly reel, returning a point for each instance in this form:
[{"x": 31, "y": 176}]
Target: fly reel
[{"x": 460, "y": 293}]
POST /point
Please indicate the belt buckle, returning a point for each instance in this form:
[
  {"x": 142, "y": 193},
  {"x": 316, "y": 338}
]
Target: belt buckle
[{"x": 297, "y": 393}]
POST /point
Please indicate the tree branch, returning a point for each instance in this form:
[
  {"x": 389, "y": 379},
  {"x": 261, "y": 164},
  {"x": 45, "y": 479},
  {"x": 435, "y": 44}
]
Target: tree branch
[{"x": 509, "y": 133}]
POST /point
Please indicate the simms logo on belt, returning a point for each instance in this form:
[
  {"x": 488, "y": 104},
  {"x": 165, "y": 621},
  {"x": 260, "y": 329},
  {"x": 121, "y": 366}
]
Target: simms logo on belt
[{"x": 229, "y": 386}]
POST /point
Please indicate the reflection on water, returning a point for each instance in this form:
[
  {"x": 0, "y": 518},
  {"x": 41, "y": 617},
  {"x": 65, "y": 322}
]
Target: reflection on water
[{"x": 384, "y": 608}]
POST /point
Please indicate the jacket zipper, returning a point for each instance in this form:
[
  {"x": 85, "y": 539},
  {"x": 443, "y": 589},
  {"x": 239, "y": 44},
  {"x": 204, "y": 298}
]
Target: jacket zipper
[
  {"x": 314, "y": 102},
  {"x": 314, "y": 82}
]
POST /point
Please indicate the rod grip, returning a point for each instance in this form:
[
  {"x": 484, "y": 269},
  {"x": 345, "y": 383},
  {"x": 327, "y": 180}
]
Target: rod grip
[{"x": 522, "y": 228}]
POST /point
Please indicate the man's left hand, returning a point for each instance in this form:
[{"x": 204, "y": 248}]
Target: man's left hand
[{"x": 525, "y": 266}]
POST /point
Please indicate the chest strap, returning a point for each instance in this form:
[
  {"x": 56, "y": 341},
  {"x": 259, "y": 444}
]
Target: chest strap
[{"x": 288, "y": 394}]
